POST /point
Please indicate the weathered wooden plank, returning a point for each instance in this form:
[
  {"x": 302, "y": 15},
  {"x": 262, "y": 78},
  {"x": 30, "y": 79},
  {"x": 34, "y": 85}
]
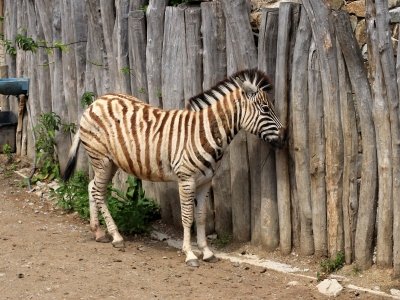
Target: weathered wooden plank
[
  {"x": 324, "y": 35},
  {"x": 193, "y": 78},
  {"x": 105, "y": 20},
  {"x": 213, "y": 29},
  {"x": 367, "y": 198},
  {"x": 10, "y": 32},
  {"x": 386, "y": 110},
  {"x": 317, "y": 154},
  {"x": 239, "y": 57},
  {"x": 155, "y": 35},
  {"x": 80, "y": 28},
  {"x": 121, "y": 47},
  {"x": 265, "y": 221},
  {"x": 18, "y": 138},
  {"x": 137, "y": 54},
  {"x": 4, "y": 100},
  {"x": 396, "y": 207},
  {"x": 350, "y": 139},
  {"x": 299, "y": 99},
  {"x": 282, "y": 107},
  {"x": 173, "y": 92},
  {"x": 154, "y": 42},
  {"x": 59, "y": 105}
]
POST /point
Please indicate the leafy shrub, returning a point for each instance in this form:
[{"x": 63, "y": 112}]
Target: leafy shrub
[{"x": 131, "y": 211}]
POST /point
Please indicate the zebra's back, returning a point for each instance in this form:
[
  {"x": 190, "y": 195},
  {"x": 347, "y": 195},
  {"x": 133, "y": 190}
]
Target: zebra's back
[{"x": 130, "y": 133}]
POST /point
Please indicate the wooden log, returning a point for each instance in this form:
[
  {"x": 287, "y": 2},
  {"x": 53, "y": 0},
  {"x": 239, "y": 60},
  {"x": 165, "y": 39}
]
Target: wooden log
[
  {"x": 21, "y": 109},
  {"x": 213, "y": 28},
  {"x": 155, "y": 34},
  {"x": 10, "y": 32},
  {"x": 317, "y": 154},
  {"x": 59, "y": 104},
  {"x": 173, "y": 93},
  {"x": 121, "y": 47},
  {"x": 350, "y": 141},
  {"x": 193, "y": 73},
  {"x": 105, "y": 20},
  {"x": 154, "y": 42},
  {"x": 80, "y": 28},
  {"x": 43, "y": 61},
  {"x": 241, "y": 54},
  {"x": 4, "y": 100},
  {"x": 265, "y": 221},
  {"x": 282, "y": 107},
  {"x": 299, "y": 99},
  {"x": 385, "y": 95},
  {"x": 324, "y": 35},
  {"x": 137, "y": 54},
  {"x": 362, "y": 92}
]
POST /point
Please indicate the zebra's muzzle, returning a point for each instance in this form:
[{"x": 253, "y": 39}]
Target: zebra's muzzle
[{"x": 278, "y": 141}]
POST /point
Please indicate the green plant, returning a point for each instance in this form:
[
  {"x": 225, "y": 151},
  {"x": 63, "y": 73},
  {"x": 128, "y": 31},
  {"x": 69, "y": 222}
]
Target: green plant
[
  {"x": 177, "y": 2},
  {"x": 329, "y": 266},
  {"x": 131, "y": 210},
  {"x": 142, "y": 91},
  {"x": 222, "y": 240},
  {"x": 48, "y": 124},
  {"x": 87, "y": 98},
  {"x": 159, "y": 94},
  {"x": 7, "y": 151},
  {"x": 356, "y": 270}
]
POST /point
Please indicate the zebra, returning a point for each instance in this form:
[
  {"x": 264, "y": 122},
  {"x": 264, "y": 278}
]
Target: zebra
[{"x": 184, "y": 146}]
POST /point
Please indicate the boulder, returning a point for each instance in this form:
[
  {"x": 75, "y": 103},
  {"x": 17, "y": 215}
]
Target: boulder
[{"x": 330, "y": 287}]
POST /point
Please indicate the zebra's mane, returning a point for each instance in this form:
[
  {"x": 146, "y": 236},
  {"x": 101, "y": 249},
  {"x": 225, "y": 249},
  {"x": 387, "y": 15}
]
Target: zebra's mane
[{"x": 222, "y": 88}]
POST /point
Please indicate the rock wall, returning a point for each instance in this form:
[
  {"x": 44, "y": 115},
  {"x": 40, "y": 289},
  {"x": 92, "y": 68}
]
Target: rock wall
[{"x": 356, "y": 9}]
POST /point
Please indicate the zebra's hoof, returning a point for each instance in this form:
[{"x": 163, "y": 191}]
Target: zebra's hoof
[
  {"x": 211, "y": 259},
  {"x": 103, "y": 239},
  {"x": 118, "y": 244},
  {"x": 193, "y": 263}
]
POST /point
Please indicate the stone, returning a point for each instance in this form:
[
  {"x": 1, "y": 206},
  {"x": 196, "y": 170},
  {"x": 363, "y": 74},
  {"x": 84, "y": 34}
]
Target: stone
[
  {"x": 330, "y": 287},
  {"x": 394, "y": 15},
  {"x": 255, "y": 20},
  {"x": 293, "y": 283},
  {"x": 395, "y": 292},
  {"x": 393, "y": 3},
  {"x": 357, "y": 8},
  {"x": 353, "y": 21},
  {"x": 361, "y": 33},
  {"x": 335, "y": 4}
]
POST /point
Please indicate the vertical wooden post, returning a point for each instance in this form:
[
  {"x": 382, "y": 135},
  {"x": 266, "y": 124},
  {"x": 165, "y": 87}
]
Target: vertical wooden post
[
  {"x": 359, "y": 81},
  {"x": 317, "y": 153},
  {"x": 265, "y": 221},
  {"x": 213, "y": 28},
  {"x": 350, "y": 141},
  {"x": 155, "y": 35},
  {"x": 243, "y": 55},
  {"x": 299, "y": 98},
  {"x": 173, "y": 93},
  {"x": 319, "y": 14},
  {"x": 282, "y": 107},
  {"x": 137, "y": 54}
]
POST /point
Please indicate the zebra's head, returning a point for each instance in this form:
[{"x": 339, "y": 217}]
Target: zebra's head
[{"x": 259, "y": 117}]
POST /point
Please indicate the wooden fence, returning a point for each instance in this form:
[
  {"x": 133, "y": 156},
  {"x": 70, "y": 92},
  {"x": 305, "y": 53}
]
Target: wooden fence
[{"x": 321, "y": 193}]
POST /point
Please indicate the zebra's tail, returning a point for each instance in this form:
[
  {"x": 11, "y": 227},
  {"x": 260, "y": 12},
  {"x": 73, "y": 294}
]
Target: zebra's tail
[{"x": 72, "y": 157}]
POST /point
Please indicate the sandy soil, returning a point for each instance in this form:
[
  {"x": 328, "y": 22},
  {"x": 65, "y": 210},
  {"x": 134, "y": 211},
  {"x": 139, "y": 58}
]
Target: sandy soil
[{"x": 47, "y": 253}]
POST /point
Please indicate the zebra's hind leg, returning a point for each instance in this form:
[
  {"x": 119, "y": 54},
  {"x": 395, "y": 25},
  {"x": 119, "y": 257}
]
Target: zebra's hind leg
[
  {"x": 98, "y": 201},
  {"x": 100, "y": 235},
  {"x": 186, "y": 195},
  {"x": 200, "y": 211}
]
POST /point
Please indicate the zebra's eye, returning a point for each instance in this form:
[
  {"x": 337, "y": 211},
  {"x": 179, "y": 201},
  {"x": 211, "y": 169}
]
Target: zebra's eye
[{"x": 265, "y": 108}]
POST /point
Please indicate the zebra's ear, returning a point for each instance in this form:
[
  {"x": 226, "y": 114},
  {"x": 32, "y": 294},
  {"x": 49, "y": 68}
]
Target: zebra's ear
[{"x": 246, "y": 86}]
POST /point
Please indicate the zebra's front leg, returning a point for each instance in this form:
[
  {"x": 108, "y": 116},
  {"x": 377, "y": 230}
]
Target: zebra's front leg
[
  {"x": 200, "y": 211},
  {"x": 186, "y": 195}
]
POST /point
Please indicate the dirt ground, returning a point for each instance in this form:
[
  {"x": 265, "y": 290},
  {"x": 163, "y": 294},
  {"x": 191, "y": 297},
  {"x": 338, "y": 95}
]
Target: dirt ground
[{"x": 47, "y": 253}]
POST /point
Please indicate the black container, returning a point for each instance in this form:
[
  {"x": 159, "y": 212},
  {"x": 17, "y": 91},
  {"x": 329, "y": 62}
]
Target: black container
[{"x": 8, "y": 129}]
